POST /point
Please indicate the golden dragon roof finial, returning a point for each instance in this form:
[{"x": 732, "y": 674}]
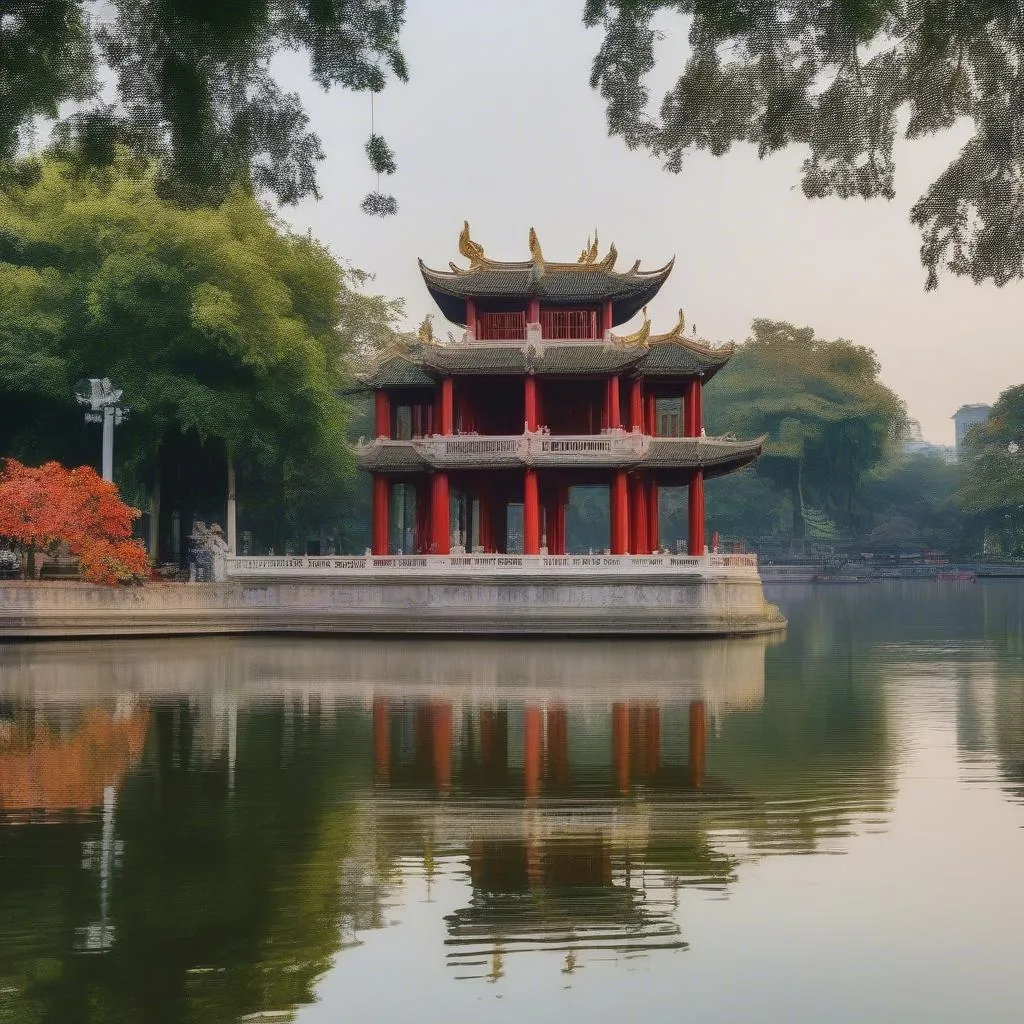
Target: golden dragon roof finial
[
  {"x": 473, "y": 251},
  {"x": 535, "y": 251},
  {"x": 639, "y": 337},
  {"x": 426, "y": 330},
  {"x": 589, "y": 255}
]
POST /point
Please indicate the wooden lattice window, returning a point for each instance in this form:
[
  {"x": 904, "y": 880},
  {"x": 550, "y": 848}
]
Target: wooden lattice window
[
  {"x": 568, "y": 323},
  {"x": 501, "y": 326}
]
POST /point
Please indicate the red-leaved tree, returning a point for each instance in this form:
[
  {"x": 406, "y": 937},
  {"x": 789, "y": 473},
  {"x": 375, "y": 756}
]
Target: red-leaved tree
[{"x": 42, "y": 508}]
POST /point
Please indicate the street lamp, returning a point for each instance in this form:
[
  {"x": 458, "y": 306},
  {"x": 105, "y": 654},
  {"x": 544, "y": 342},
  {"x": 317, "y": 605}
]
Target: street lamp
[{"x": 103, "y": 404}]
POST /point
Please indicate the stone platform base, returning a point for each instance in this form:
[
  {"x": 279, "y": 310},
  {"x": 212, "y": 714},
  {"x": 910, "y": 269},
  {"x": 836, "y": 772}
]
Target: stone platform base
[{"x": 675, "y": 605}]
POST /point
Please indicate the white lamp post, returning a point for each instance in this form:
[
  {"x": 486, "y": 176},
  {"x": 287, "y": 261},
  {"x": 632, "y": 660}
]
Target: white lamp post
[{"x": 103, "y": 405}]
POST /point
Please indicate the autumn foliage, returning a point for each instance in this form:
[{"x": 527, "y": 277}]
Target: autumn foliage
[{"x": 45, "y": 507}]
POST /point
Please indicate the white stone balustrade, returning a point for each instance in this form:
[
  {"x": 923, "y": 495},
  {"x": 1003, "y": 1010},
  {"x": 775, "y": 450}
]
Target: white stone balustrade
[{"x": 714, "y": 566}]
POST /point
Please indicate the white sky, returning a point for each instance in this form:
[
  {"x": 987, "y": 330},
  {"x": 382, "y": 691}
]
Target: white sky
[{"x": 499, "y": 126}]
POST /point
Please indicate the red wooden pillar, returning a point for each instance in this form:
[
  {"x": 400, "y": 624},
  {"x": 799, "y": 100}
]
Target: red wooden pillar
[
  {"x": 447, "y": 418},
  {"x": 698, "y": 742},
  {"x": 531, "y": 513},
  {"x": 653, "y": 518},
  {"x": 639, "y": 517},
  {"x": 441, "y": 727},
  {"x": 620, "y": 513},
  {"x": 381, "y": 740},
  {"x": 530, "y": 403},
  {"x": 486, "y": 530},
  {"x": 651, "y": 426},
  {"x": 606, "y": 317},
  {"x": 533, "y": 311},
  {"x": 636, "y": 404},
  {"x": 533, "y": 750},
  {"x": 614, "y": 415},
  {"x": 381, "y": 513},
  {"x": 695, "y": 502},
  {"x": 440, "y": 525},
  {"x": 382, "y": 414},
  {"x": 471, "y": 316},
  {"x": 620, "y": 745}
]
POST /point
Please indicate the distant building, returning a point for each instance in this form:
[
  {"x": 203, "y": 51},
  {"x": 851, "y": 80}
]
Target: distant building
[
  {"x": 966, "y": 417},
  {"x": 912, "y": 442}
]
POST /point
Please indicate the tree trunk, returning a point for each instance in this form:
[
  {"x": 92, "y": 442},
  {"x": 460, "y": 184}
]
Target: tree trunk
[
  {"x": 154, "y": 515},
  {"x": 232, "y": 536},
  {"x": 799, "y": 525}
]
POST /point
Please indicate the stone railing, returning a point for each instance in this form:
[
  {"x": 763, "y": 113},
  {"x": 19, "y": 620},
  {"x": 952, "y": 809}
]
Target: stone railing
[
  {"x": 469, "y": 564},
  {"x": 615, "y": 446}
]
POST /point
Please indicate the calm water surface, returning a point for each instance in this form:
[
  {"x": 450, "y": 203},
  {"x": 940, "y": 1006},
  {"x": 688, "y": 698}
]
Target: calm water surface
[{"x": 824, "y": 827}]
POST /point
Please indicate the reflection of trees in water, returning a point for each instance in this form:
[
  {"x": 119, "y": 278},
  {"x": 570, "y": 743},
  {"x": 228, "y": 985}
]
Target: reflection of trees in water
[{"x": 225, "y": 903}]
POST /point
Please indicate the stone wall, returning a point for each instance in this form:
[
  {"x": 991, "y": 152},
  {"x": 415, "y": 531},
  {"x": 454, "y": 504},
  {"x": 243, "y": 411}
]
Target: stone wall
[{"x": 386, "y": 603}]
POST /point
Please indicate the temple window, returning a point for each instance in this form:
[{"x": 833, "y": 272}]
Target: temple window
[
  {"x": 501, "y": 326},
  {"x": 568, "y": 323}
]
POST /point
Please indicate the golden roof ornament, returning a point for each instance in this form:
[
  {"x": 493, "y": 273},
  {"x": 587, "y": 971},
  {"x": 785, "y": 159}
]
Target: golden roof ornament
[
  {"x": 589, "y": 254},
  {"x": 535, "y": 251},
  {"x": 426, "y": 330},
  {"x": 473, "y": 251},
  {"x": 639, "y": 337}
]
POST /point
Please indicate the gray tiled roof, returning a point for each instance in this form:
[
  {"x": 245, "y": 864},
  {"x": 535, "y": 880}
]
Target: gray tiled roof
[
  {"x": 424, "y": 364},
  {"x": 629, "y": 291},
  {"x": 716, "y": 455}
]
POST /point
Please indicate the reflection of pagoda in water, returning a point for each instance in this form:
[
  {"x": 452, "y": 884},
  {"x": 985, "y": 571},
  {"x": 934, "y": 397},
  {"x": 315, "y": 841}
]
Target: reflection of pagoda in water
[{"x": 579, "y": 819}]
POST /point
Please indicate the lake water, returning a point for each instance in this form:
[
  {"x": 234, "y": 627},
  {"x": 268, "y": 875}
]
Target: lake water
[{"x": 827, "y": 826}]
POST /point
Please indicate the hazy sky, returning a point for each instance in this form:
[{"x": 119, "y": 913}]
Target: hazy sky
[{"x": 499, "y": 126}]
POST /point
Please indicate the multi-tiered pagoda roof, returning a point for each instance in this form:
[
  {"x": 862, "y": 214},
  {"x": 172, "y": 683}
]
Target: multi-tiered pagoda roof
[{"x": 589, "y": 279}]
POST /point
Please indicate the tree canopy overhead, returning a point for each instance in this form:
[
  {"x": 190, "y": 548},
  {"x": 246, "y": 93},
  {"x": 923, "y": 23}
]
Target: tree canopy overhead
[
  {"x": 844, "y": 79},
  {"x": 195, "y": 91}
]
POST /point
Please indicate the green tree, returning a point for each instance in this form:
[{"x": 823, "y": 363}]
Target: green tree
[
  {"x": 844, "y": 79},
  {"x": 993, "y": 480},
  {"x": 227, "y": 332},
  {"x": 828, "y": 417},
  {"x": 195, "y": 89}
]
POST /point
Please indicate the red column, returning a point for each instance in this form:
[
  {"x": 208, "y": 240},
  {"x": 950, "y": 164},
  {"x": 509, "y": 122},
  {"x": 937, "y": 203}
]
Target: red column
[
  {"x": 698, "y": 742},
  {"x": 620, "y": 518},
  {"x": 381, "y": 514},
  {"x": 652, "y": 416},
  {"x": 636, "y": 404},
  {"x": 533, "y": 750},
  {"x": 382, "y": 414},
  {"x": 533, "y": 311},
  {"x": 381, "y": 740},
  {"x": 639, "y": 517},
  {"x": 606, "y": 318},
  {"x": 695, "y": 503},
  {"x": 692, "y": 411},
  {"x": 471, "y": 316},
  {"x": 530, "y": 403},
  {"x": 614, "y": 415},
  {"x": 440, "y": 525},
  {"x": 447, "y": 407},
  {"x": 531, "y": 514},
  {"x": 486, "y": 521},
  {"x": 653, "y": 519},
  {"x": 441, "y": 727},
  {"x": 620, "y": 745}
]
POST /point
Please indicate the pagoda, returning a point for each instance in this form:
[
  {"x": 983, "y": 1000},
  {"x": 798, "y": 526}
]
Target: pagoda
[{"x": 539, "y": 395}]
